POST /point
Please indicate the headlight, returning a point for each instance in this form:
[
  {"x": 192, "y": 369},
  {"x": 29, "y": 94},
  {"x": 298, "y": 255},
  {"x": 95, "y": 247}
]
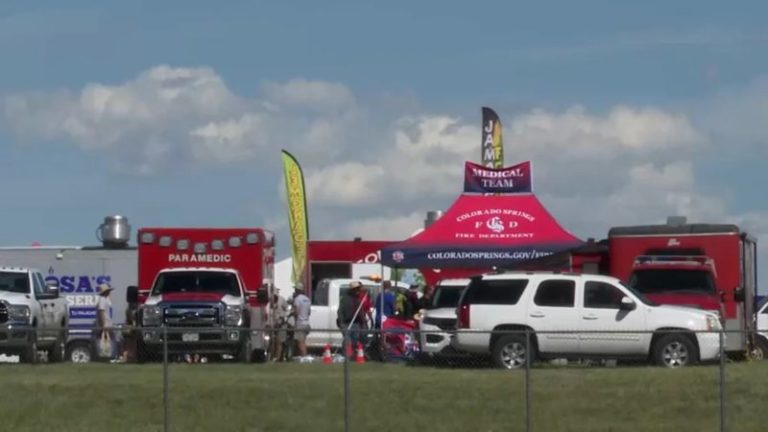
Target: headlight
[
  {"x": 18, "y": 313},
  {"x": 233, "y": 316},
  {"x": 713, "y": 323},
  {"x": 151, "y": 315}
]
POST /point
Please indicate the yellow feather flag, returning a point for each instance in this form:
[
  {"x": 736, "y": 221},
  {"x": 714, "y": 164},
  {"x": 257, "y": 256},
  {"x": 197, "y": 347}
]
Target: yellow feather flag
[{"x": 297, "y": 215}]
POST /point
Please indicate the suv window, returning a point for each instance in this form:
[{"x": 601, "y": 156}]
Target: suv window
[
  {"x": 601, "y": 295},
  {"x": 495, "y": 292},
  {"x": 556, "y": 293}
]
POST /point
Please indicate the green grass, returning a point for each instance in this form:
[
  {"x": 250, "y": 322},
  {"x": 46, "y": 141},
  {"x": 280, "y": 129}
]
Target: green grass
[{"x": 304, "y": 397}]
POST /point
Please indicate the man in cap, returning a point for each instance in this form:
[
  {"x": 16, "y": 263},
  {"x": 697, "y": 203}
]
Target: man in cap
[
  {"x": 103, "y": 319},
  {"x": 350, "y": 316},
  {"x": 301, "y": 310}
]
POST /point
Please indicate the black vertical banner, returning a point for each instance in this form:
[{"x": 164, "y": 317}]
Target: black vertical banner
[{"x": 492, "y": 145}]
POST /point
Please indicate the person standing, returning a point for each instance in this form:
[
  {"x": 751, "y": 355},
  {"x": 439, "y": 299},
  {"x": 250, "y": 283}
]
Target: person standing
[
  {"x": 279, "y": 317},
  {"x": 385, "y": 303},
  {"x": 104, "y": 321},
  {"x": 301, "y": 309},
  {"x": 350, "y": 317}
]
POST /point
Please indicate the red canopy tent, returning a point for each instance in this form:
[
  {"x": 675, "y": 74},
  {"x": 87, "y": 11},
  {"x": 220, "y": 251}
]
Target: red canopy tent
[{"x": 479, "y": 232}]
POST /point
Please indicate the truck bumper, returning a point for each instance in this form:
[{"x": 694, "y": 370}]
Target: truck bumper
[
  {"x": 14, "y": 338},
  {"x": 202, "y": 341},
  {"x": 709, "y": 346}
]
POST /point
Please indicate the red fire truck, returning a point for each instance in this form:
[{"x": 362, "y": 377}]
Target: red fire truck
[
  {"x": 207, "y": 289},
  {"x": 707, "y": 266}
]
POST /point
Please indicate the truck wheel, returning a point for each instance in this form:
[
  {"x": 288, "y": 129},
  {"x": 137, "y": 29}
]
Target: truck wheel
[
  {"x": 245, "y": 355},
  {"x": 674, "y": 351},
  {"x": 56, "y": 353},
  {"x": 509, "y": 352},
  {"x": 79, "y": 352},
  {"x": 761, "y": 349},
  {"x": 144, "y": 354},
  {"x": 29, "y": 354}
]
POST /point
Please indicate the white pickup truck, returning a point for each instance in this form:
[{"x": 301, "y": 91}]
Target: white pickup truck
[{"x": 33, "y": 316}]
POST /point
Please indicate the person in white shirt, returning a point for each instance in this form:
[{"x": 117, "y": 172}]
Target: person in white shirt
[
  {"x": 301, "y": 310},
  {"x": 103, "y": 319}
]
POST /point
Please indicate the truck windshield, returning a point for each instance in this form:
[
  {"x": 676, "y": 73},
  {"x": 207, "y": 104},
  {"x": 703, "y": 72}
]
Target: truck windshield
[
  {"x": 197, "y": 282},
  {"x": 653, "y": 281},
  {"x": 14, "y": 282},
  {"x": 446, "y": 296}
]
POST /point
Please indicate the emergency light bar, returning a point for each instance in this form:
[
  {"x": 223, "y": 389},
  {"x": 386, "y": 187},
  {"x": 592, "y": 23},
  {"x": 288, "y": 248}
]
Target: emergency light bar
[
  {"x": 676, "y": 259},
  {"x": 644, "y": 259},
  {"x": 184, "y": 244}
]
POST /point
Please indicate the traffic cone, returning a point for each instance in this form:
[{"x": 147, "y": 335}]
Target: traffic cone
[
  {"x": 360, "y": 354},
  {"x": 327, "y": 354}
]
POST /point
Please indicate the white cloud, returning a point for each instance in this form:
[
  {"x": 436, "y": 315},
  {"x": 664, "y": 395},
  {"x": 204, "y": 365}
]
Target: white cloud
[
  {"x": 319, "y": 96},
  {"x": 397, "y": 227},
  {"x": 170, "y": 116},
  {"x": 374, "y": 171}
]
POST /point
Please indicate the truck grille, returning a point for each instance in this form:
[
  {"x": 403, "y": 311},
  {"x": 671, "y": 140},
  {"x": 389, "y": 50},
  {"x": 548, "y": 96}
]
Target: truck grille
[
  {"x": 3, "y": 313},
  {"x": 192, "y": 315}
]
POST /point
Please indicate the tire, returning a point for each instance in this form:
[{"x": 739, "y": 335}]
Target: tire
[
  {"x": 56, "y": 352},
  {"x": 80, "y": 352},
  {"x": 259, "y": 356},
  {"x": 674, "y": 351},
  {"x": 29, "y": 353},
  {"x": 144, "y": 354},
  {"x": 245, "y": 354},
  {"x": 761, "y": 349},
  {"x": 510, "y": 351}
]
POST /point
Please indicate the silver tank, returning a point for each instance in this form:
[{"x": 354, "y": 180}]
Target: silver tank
[
  {"x": 432, "y": 217},
  {"x": 115, "y": 231}
]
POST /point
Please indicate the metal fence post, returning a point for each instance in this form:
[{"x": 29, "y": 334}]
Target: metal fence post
[
  {"x": 527, "y": 380},
  {"x": 166, "y": 419},
  {"x": 345, "y": 341},
  {"x": 722, "y": 379}
]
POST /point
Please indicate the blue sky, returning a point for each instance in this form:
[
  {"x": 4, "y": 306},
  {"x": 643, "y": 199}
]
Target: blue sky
[{"x": 174, "y": 113}]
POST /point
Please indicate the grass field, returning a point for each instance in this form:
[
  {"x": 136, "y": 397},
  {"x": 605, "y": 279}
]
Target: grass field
[{"x": 310, "y": 397}]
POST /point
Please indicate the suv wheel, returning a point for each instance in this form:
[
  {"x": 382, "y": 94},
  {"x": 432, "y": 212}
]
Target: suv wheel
[
  {"x": 760, "y": 352},
  {"x": 674, "y": 351},
  {"x": 509, "y": 352}
]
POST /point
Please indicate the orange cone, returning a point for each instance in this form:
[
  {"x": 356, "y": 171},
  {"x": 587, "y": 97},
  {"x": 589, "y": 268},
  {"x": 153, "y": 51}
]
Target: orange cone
[
  {"x": 327, "y": 354},
  {"x": 360, "y": 354}
]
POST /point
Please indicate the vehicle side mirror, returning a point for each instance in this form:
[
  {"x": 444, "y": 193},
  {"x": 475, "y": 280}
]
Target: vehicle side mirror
[
  {"x": 53, "y": 288},
  {"x": 262, "y": 296},
  {"x": 738, "y": 295},
  {"x": 132, "y": 294},
  {"x": 628, "y": 304}
]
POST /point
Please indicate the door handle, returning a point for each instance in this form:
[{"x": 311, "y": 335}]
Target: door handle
[
  {"x": 537, "y": 315},
  {"x": 589, "y": 317}
]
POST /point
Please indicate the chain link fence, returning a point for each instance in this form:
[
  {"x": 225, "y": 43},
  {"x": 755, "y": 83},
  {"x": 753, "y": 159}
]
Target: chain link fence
[{"x": 171, "y": 379}]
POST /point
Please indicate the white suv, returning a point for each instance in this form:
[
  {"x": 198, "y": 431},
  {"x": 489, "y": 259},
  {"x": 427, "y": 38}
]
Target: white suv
[{"x": 566, "y": 315}]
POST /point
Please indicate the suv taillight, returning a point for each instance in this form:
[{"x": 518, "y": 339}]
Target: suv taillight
[{"x": 463, "y": 321}]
